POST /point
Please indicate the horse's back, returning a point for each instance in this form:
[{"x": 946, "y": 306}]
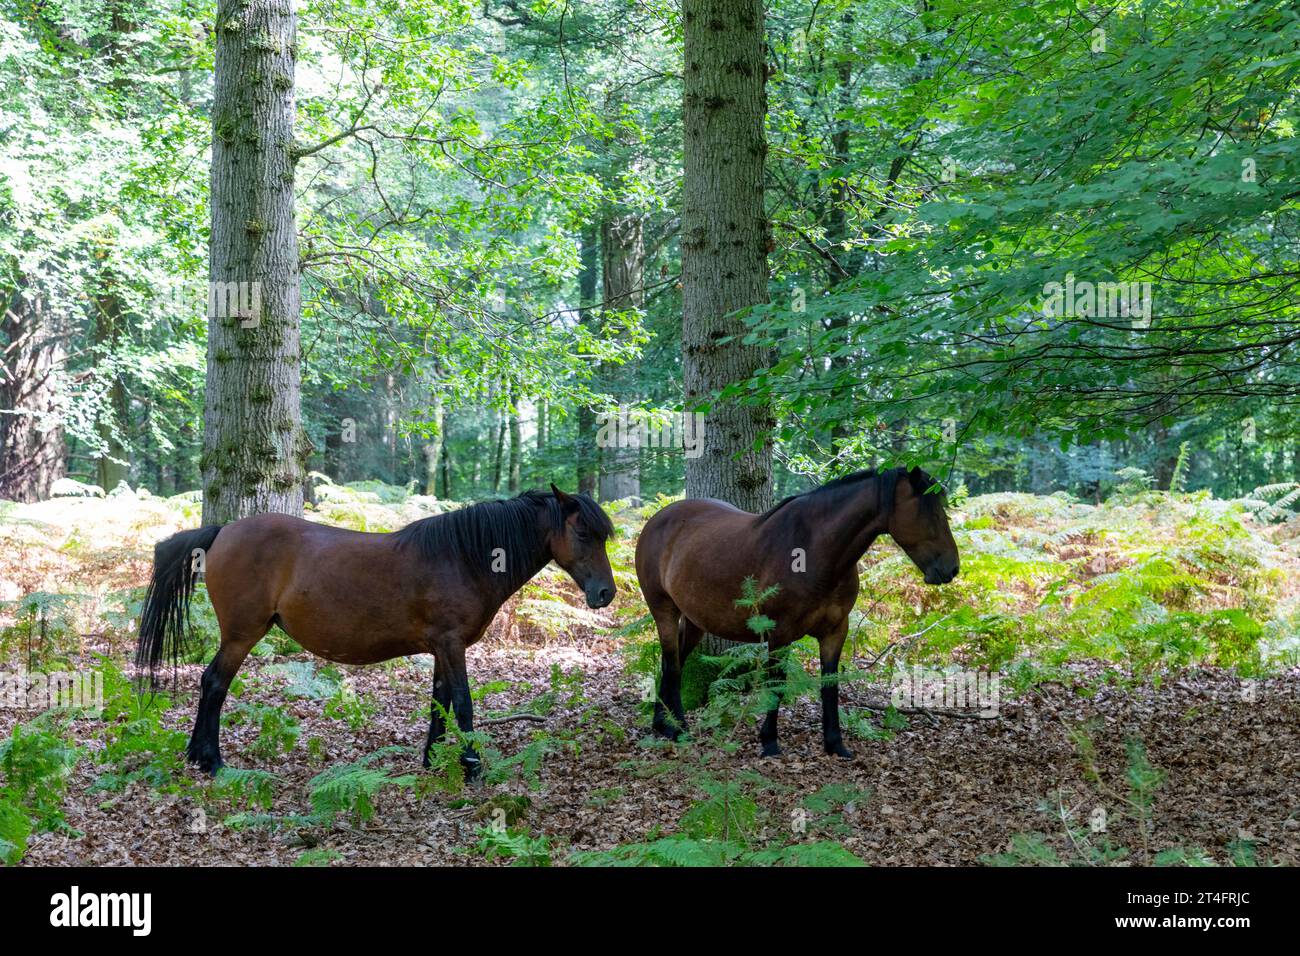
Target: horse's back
[
  {"x": 688, "y": 555},
  {"x": 692, "y": 517},
  {"x": 345, "y": 595}
]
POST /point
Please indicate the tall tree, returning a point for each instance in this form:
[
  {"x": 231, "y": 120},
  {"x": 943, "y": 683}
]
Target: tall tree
[
  {"x": 623, "y": 269},
  {"x": 516, "y": 446},
  {"x": 724, "y": 242},
  {"x": 32, "y": 453},
  {"x": 588, "y": 276},
  {"x": 254, "y": 447}
]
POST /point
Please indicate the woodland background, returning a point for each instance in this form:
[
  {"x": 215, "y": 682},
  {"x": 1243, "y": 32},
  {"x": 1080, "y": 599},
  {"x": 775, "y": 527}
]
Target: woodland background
[
  {"x": 489, "y": 227},
  {"x": 831, "y": 226}
]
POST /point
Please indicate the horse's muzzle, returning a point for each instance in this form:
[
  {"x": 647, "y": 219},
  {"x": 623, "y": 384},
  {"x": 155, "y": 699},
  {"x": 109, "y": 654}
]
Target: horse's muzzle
[
  {"x": 599, "y": 596},
  {"x": 940, "y": 573}
]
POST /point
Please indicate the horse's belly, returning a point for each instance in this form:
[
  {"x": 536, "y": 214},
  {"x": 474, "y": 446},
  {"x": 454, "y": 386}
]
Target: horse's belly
[
  {"x": 354, "y": 649},
  {"x": 352, "y": 631}
]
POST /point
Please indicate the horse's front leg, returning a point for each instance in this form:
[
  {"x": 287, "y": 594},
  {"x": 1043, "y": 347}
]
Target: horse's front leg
[
  {"x": 461, "y": 702},
  {"x": 830, "y": 657},
  {"x": 669, "y": 719},
  {"x": 440, "y": 705}
]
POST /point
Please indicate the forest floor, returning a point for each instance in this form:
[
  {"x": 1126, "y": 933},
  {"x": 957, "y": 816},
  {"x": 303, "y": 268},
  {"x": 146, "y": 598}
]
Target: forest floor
[{"x": 1093, "y": 760}]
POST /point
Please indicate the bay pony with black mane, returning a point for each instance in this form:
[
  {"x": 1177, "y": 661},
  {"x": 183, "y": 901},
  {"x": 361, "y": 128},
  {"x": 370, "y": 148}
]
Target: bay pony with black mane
[
  {"x": 359, "y": 598},
  {"x": 693, "y": 557}
]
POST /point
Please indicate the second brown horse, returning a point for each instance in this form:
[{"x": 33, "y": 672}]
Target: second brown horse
[{"x": 693, "y": 557}]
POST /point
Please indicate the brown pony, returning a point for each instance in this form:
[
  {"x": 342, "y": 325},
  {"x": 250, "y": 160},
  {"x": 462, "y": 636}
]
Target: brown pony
[
  {"x": 431, "y": 588},
  {"x": 694, "y": 556}
]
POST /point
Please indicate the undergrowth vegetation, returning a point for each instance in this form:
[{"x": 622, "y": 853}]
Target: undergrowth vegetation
[{"x": 1146, "y": 583}]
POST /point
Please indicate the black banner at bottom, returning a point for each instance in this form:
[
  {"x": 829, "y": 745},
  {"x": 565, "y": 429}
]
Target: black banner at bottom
[{"x": 141, "y": 906}]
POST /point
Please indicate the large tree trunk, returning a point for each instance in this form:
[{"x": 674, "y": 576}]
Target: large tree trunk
[
  {"x": 447, "y": 494},
  {"x": 623, "y": 271},
  {"x": 111, "y": 467},
  {"x": 516, "y": 446},
  {"x": 587, "y": 457},
  {"x": 725, "y": 239},
  {"x": 32, "y": 454},
  {"x": 254, "y": 447},
  {"x": 433, "y": 450},
  {"x": 499, "y": 437},
  {"x": 724, "y": 242},
  {"x": 837, "y": 222}
]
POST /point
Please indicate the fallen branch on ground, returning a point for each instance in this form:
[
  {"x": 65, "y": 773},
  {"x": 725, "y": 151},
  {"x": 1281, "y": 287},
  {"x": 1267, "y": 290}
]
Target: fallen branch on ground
[{"x": 509, "y": 717}]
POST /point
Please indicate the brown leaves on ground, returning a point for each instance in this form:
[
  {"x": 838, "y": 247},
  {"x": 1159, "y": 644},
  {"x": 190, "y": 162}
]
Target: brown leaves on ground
[{"x": 942, "y": 793}]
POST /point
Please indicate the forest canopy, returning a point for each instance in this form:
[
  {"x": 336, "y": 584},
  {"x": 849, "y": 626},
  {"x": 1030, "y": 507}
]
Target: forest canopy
[{"x": 1024, "y": 245}]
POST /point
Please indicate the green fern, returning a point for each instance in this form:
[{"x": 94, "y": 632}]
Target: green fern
[
  {"x": 15, "y": 829},
  {"x": 318, "y": 856},
  {"x": 37, "y": 760},
  {"x": 1277, "y": 502},
  {"x": 516, "y": 845},
  {"x": 351, "y": 788},
  {"x": 752, "y": 599},
  {"x": 244, "y": 788},
  {"x": 1178, "y": 480}
]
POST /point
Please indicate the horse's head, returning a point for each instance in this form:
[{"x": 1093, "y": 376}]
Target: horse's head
[
  {"x": 918, "y": 523},
  {"x": 579, "y": 546}
]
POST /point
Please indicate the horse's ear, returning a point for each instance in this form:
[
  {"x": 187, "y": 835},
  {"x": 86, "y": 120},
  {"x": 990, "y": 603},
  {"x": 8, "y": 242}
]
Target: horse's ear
[
  {"x": 567, "y": 502},
  {"x": 919, "y": 479}
]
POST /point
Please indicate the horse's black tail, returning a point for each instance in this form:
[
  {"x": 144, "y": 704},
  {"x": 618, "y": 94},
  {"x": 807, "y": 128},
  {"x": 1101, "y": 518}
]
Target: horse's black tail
[{"x": 165, "y": 619}]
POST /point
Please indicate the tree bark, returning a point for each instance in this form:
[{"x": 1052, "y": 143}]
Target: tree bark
[
  {"x": 516, "y": 447},
  {"x": 725, "y": 238},
  {"x": 110, "y": 467},
  {"x": 446, "y": 471},
  {"x": 586, "y": 456},
  {"x": 32, "y": 454},
  {"x": 725, "y": 241},
  {"x": 499, "y": 438},
  {"x": 433, "y": 450},
  {"x": 254, "y": 446},
  {"x": 623, "y": 277}
]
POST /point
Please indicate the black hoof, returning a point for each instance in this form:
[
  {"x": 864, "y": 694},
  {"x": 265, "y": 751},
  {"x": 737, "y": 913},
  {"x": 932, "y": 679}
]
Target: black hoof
[
  {"x": 209, "y": 766},
  {"x": 204, "y": 760},
  {"x": 473, "y": 767},
  {"x": 839, "y": 750},
  {"x": 771, "y": 749},
  {"x": 667, "y": 732}
]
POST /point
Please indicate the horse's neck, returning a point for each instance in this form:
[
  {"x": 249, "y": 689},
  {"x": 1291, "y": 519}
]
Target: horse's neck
[
  {"x": 527, "y": 567},
  {"x": 844, "y": 524}
]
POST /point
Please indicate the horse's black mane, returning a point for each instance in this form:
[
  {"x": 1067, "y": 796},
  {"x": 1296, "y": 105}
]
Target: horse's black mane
[
  {"x": 921, "y": 483},
  {"x": 474, "y": 532}
]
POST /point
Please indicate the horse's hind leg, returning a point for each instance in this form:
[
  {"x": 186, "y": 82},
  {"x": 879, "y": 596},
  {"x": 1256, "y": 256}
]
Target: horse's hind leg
[
  {"x": 830, "y": 647},
  {"x": 205, "y": 748},
  {"x": 775, "y": 672},
  {"x": 440, "y": 705}
]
